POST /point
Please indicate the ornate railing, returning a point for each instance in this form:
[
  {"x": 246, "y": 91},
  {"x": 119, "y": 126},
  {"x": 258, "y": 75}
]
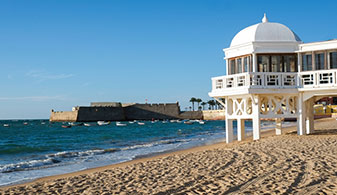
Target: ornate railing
[
  {"x": 318, "y": 78},
  {"x": 286, "y": 80}
]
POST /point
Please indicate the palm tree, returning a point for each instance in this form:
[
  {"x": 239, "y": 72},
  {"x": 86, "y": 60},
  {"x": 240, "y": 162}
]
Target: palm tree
[
  {"x": 203, "y": 105},
  {"x": 198, "y": 100},
  {"x": 211, "y": 103},
  {"x": 193, "y": 99}
]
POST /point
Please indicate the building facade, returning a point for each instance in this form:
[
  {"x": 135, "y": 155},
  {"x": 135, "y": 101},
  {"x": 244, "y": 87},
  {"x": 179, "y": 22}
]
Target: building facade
[{"x": 272, "y": 74}]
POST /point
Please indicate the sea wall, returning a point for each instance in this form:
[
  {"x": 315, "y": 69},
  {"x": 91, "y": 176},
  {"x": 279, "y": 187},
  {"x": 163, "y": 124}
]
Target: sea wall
[
  {"x": 213, "y": 114},
  {"x": 151, "y": 111},
  {"x": 191, "y": 115},
  {"x": 70, "y": 116},
  {"x": 87, "y": 114},
  {"x": 105, "y": 111}
]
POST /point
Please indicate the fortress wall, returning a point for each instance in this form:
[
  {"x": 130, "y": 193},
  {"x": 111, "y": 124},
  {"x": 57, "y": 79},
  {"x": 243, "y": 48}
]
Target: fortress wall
[
  {"x": 105, "y": 104},
  {"x": 87, "y": 114},
  {"x": 191, "y": 115},
  {"x": 213, "y": 114},
  {"x": 70, "y": 116},
  {"x": 152, "y": 111}
]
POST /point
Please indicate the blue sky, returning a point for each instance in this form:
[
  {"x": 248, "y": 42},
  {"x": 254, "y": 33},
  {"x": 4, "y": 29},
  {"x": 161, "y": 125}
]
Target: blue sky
[{"x": 59, "y": 54}]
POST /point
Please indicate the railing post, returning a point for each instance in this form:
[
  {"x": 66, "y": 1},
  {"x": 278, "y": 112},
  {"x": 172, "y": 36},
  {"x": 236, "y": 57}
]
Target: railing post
[
  {"x": 235, "y": 80},
  {"x": 247, "y": 79}
]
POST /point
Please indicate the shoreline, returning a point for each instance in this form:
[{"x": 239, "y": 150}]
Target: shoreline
[
  {"x": 148, "y": 157},
  {"x": 281, "y": 164}
]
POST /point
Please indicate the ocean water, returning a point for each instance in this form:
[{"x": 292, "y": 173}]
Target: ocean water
[{"x": 31, "y": 149}]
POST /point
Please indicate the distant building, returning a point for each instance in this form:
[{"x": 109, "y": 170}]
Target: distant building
[{"x": 272, "y": 74}]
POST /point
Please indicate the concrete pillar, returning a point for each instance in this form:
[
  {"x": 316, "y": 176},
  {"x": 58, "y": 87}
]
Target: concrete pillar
[
  {"x": 241, "y": 129},
  {"x": 229, "y": 130},
  {"x": 299, "y": 62},
  {"x": 301, "y": 115},
  {"x": 254, "y": 62},
  {"x": 229, "y": 122},
  {"x": 227, "y": 67},
  {"x": 256, "y": 118},
  {"x": 278, "y": 128},
  {"x": 309, "y": 123}
]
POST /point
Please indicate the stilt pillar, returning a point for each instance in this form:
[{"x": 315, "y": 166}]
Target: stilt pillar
[
  {"x": 301, "y": 124},
  {"x": 256, "y": 118},
  {"x": 229, "y": 130},
  {"x": 229, "y": 122},
  {"x": 241, "y": 129},
  {"x": 278, "y": 128},
  {"x": 310, "y": 116}
]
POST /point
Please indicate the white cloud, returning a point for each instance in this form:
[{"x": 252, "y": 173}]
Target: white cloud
[
  {"x": 33, "y": 98},
  {"x": 43, "y": 75}
]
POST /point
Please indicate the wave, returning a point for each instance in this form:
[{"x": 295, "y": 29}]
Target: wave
[
  {"x": 51, "y": 159},
  {"x": 28, "y": 165},
  {"x": 66, "y": 157}
]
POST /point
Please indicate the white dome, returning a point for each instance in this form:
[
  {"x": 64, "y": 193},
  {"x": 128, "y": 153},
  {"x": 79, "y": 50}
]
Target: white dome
[{"x": 265, "y": 32}]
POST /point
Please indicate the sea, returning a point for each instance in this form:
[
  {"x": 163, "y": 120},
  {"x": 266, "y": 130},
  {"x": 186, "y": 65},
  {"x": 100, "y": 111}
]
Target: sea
[{"x": 31, "y": 149}]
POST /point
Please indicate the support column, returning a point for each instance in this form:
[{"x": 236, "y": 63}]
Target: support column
[
  {"x": 301, "y": 115},
  {"x": 229, "y": 122},
  {"x": 256, "y": 118},
  {"x": 278, "y": 128},
  {"x": 229, "y": 131},
  {"x": 228, "y": 71},
  {"x": 254, "y": 62},
  {"x": 310, "y": 115},
  {"x": 241, "y": 129}
]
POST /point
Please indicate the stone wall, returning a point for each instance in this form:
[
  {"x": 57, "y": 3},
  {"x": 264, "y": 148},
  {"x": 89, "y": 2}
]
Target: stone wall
[
  {"x": 151, "y": 111},
  {"x": 191, "y": 115},
  {"x": 70, "y": 116},
  {"x": 87, "y": 114},
  {"x": 213, "y": 114},
  {"x": 114, "y": 112}
]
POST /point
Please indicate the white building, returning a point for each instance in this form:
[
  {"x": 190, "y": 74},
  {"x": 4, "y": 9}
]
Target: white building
[{"x": 272, "y": 74}]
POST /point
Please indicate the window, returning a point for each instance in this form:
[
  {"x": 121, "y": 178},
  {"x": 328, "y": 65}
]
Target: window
[
  {"x": 289, "y": 63},
  {"x": 276, "y": 64},
  {"x": 239, "y": 65},
  {"x": 306, "y": 62},
  {"x": 232, "y": 62},
  {"x": 246, "y": 64},
  {"x": 333, "y": 60},
  {"x": 263, "y": 63},
  {"x": 319, "y": 61}
]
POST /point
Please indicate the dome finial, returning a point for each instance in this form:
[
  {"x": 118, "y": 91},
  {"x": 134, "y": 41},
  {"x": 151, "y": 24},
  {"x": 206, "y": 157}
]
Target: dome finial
[{"x": 264, "y": 19}]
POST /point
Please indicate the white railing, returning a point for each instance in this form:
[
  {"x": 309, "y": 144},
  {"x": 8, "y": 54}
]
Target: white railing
[
  {"x": 255, "y": 80},
  {"x": 286, "y": 80},
  {"x": 318, "y": 78}
]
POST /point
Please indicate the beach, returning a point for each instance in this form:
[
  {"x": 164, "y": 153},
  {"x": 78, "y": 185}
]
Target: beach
[{"x": 283, "y": 164}]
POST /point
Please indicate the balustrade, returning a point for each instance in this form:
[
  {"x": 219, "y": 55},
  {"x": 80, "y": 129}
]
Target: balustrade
[{"x": 261, "y": 80}]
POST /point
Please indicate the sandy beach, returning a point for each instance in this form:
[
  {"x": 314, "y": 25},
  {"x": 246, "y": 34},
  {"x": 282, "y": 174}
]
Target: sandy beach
[{"x": 284, "y": 164}]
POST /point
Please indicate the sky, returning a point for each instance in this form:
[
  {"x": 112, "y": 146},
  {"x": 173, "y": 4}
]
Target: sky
[{"x": 57, "y": 54}]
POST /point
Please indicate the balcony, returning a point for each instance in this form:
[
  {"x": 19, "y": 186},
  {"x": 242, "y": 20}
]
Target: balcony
[{"x": 273, "y": 82}]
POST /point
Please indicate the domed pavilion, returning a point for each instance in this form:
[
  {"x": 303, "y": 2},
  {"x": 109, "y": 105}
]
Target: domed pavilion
[{"x": 273, "y": 75}]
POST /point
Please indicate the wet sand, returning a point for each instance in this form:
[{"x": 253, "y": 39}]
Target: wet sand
[{"x": 284, "y": 164}]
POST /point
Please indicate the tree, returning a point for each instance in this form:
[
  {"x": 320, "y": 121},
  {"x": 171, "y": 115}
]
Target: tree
[
  {"x": 193, "y": 99},
  {"x": 203, "y": 105},
  {"x": 211, "y": 103},
  {"x": 198, "y": 100}
]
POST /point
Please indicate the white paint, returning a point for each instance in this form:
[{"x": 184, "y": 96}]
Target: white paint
[
  {"x": 278, "y": 128},
  {"x": 241, "y": 129}
]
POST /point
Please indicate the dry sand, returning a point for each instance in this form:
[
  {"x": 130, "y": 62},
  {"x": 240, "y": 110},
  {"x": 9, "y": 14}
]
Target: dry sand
[{"x": 286, "y": 164}]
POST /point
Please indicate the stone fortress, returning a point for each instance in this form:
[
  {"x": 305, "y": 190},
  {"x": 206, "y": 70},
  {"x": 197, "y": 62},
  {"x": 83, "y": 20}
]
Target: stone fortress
[{"x": 116, "y": 111}]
